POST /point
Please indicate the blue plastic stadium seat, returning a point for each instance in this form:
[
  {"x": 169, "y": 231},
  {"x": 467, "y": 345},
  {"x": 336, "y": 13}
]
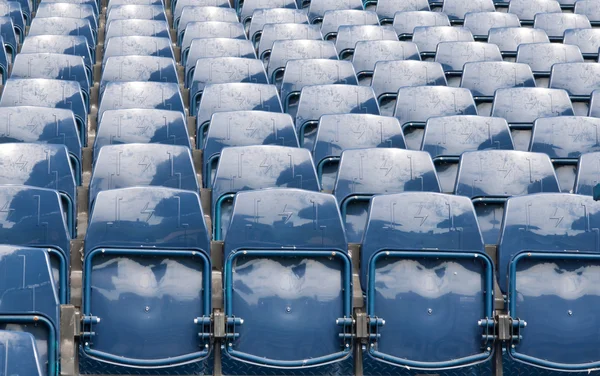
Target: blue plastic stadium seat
[
  {"x": 587, "y": 177},
  {"x": 93, "y": 3},
  {"x": 527, "y": 9},
  {"x": 114, "y": 3},
  {"x": 14, "y": 10},
  {"x": 522, "y": 106},
  {"x": 286, "y": 50},
  {"x": 138, "y": 28},
  {"x": 555, "y": 24},
  {"x": 223, "y": 70},
  {"x": 262, "y": 17},
  {"x": 484, "y": 78},
  {"x": 59, "y": 44},
  {"x": 588, "y": 41},
  {"x": 64, "y": 26},
  {"x": 363, "y": 173},
  {"x": 209, "y": 29},
  {"x": 301, "y": 73},
  {"x": 146, "y": 250},
  {"x": 256, "y": 167},
  {"x": 69, "y": 10},
  {"x": 4, "y": 63},
  {"x": 406, "y": 21},
  {"x": 542, "y": 56},
  {"x": 458, "y": 9},
  {"x": 287, "y": 235},
  {"x": 215, "y": 47},
  {"x": 508, "y": 39},
  {"x": 390, "y": 76},
  {"x": 142, "y": 127},
  {"x": 291, "y": 31},
  {"x": 48, "y": 93},
  {"x": 233, "y": 97},
  {"x": 138, "y": 12},
  {"x": 143, "y": 95},
  {"x": 548, "y": 243},
  {"x": 138, "y": 68},
  {"x": 419, "y": 246},
  {"x": 564, "y": 139},
  {"x": 9, "y": 36},
  {"x": 333, "y": 19},
  {"x": 489, "y": 177},
  {"x": 386, "y": 9},
  {"x": 427, "y": 37},
  {"x": 319, "y": 100},
  {"x": 24, "y": 6},
  {"x": 249, "y": 6},
  {"x": 348, "y": 36},
  {"x": 200, "y": 13},
  {"x": 180, "y": 4},
  {"x": 480, "y": 23},
  {"x": 29, "y": 316},
  {"x": 244, "y": 128},
  {"x": 318, "y": 8},
  {"x": 447, "y": 137},
  {"x": 415, "y": 105},
  {"x": 130, "y": 165},
  {"x": 351, "y": 131},
  {"x": 137, "y": 46},
  {"x": 454, "y": 55},
  {"x": 579, "y": 80},
  {"x": 590, "y": 9},
  {"x": 368, "y": 53}
]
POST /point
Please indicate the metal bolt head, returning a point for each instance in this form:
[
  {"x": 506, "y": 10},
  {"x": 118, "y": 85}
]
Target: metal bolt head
[
  {"x": 570, "y": 312},
  {"x": 430, "y": 311},
  {"x": 230, "y": 344},
  {"x": 147, "y": 309},
  {"x": 489, "y": 349},
  {"x": 513, "y": 346},
  {"x": 288, "y": 309}
]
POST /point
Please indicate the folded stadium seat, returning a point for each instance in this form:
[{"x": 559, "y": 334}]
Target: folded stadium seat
[
  {"x": 527, "y": 9},
  {"x": 480, "y": 23},
  {"x": 137, "y": 126},
  {"x": 490, "y": 177},
  {"x": 405, "y": 22},
  {"x": 555, "y": 24},
  {"x": 333, "y": 19},
  {"x": 319, "y": 100},
  {"x": 249, "y": 6},
  {"x": 43, "y": 125},
  {"x": 415, "y": 105},
  {"x": 199, "y": 14},
  {"x": 548, "y": 243},
  {"x": 454, "y": 55},
  {"x": 223, "y": 70},
  {"x": 348, "y": 36},
  {"x": 590, "y": 9},
  {"x": 301, "y": 73},
  {"x": 256, "y": 167},
  {"x": 244, "y": 128},
  {"x": 146, "y": 250},
  {"x": 484, "y": 78},
  {"x": 56, "y": 67},
  {"x": 9, "y": 36},
  {"x": 138, "y": 68},
  {"x": 586, "y": 178},
  {"x": 233, "y": 97},
  {"x": 390, "y": 76},
  {"x": 138, "y": 28},
  {"x": 66, "y": 10},
  {"x": 508, "y": 39},
  {"x": 209, "y": 29},
  {"x": 579, "y": 80},
  {"x": 588, "y": 41},
  {"x": 93, "y": 3},
  {"x": 317, "y": 8},
  {"x": 113, "y": 3},
  {"x": 29, "y": 313},
  {"x": 138, "y": 12},
  {"x": 142, "y": 95},
  {"x": 387, "y": 9},
  {"x": 290, "y": 31},
  {"x": 14, "y": 10},
  {"x": 64, "y": 26},
  {"x": 48, "y": 93},
  {"x": 215, "y": 47},
  {"x": 565, "y": 139},
  {"x": 447, "y": 137},
  {"x": 427, "y": 37},
  {"x": 180, "y": 4},
  {"x": 25, "y": 8},
  {"x": 363, "y": 173},
  {"x": 59, "y": 44},
  {"x": 286, "y": 50},
  {"x": 261, "y": 17},
  {"x": 290, "y": 235},
  {"x": 4, "y": 64},
  {"x": 456, "y": 10},
  {"x": 419, "y": 246},
  {"x": 351, "y": 131},
  {"x": 368, "y": 53},
  {"x": 137, "y": 46},
  {"x": 522, "y": 106},
  {"x": 594, "y": 104}
]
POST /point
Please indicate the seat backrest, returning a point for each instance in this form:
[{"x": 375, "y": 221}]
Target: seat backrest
[
  {"x": 349, "y": 35},
  {"x": 317, "y": 8},
  {"x": 527, "y": 9},
  {"x": 588, "y": 41},
  {"x": 204, "y": 13},
  {"x": 542, "y": 56},
  {"x": 386, "y": 9},
  {"x": 180, "y": 4},
  {"x": 508, "y": 39},
  {"x": 390, "y": 76},
  {"x": 428, "y": 37},
  {"x": 14, "y": 10},
  {"x": 418, "y": 104},
  {"x": 588, "y": 174},
  {"x": 137, "y": 46},
  {"x": 369, "y": 53},
  {"x": 210, "y": 29},
  {"x": 333, "y": 19},
  {"x": 19, "y": 353},
  {"x": 249, "y": 6},
  {"x": 555, "y": 24},
  {"x": 454, "y": 55},
  {"x": 68, "y": 10},
  {"x": 525, "y": 105},
  {"x": 141, "y": 28},
  {"x": 261, "y": 17},
  {"x": 62, "y": 26},
  {"x": 216, "y": 47},
  {"x": 589, "y": 9},
  {"x": 457, "y": 9},
  {"x": 484, "y": 78},
  {"x": 565, "y": 137},
  {"x": 58, "y": 44},
  {"x": 480, "y": 23},
  {"x": 286, "y": 50},
  {"x": 405, "y": 22},
  {"x": 134, "y": 11},
  {"x": 578, "y": 79},
  {"x": 285, "y": 31},
  {"x": 138, "y": 68}
]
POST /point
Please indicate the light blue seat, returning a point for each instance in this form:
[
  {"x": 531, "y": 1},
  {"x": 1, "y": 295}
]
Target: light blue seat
[
  {"x": 526, "y": 10},
  {"x": 508, "y": 39},
  {"x": 247, "y": 7},
  {"x": 209, "y": 29},
  {"x": 69, "y": 10},
  {"x": 349, "y": 35},
  {"x": 294, "y": 49},
  {"x": 541, "y": 57},
  {"x": 14, "y": 10},
  {"x": 589, "y": 9},
  {"x": 333, "y": 19},
  {"x": 9, "y": 36},
  {"x": 318, "y": 8},
  {"x": 406, "y": 21},
  {"x": 289, "y": 31},
  {"x": 138, "y": 28},
  {"x": 555, "y": 24},
  {"x": 579, "y": 80},
  {"x": 180, "y": 4},
  {"x": 60, "y": 44},
  {"x": 454, "y": 55},
  {"x": 138, "y": 68},
  {"x": 480, "y": 23},
  {"x": 588, "y": 41},
  {"x": 19, "y": 353},
  {"x": 368, "y": 53},
  {"x": 93, "y": 3},
  {"x": 64, "y": 26},
  {"x": 458, "y": 9},
  {"x": 203, "y": 13},
  {"x": 587, "y": 174},
  {"x": 387, "y": 9},
  {"x": 138, "y": 46},
  {"x": 427, "y": 38},
  {"x": 262, "y": 17},
  {"x": 138, "y": 12}
]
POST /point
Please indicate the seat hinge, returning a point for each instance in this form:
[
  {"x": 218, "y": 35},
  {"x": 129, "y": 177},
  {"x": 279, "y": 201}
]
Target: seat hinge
[
  {"x": 230, "y": 330},
  {"x": 374, "y": 324},
  {"x": 205, "y": 325},
  {"x": 87, "y": 331},
  {"x": 347, "y": 324},
  {"x": 503, "y": 328}
]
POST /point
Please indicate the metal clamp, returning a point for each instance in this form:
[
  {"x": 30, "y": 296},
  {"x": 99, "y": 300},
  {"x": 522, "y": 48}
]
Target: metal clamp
[
  {"x": 204, "y": 322},
  {"x": 88, "y": 322},
  {"x": 347, "y": 324},
  {"x": 374, "y": 324},
  {"x": 489, "y": 330},
  {"x": 516, "y": 326},
  {"x": 232, "y": 322}
]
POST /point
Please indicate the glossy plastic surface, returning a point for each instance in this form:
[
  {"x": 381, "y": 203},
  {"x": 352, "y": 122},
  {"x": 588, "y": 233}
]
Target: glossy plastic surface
[
  {"x": 484, "y": 78},
  {"x": 180, "y": 4},
  {"x": 390, "y": 76},
  {"x": 63, "y": 26},
  {"x": 589, "y": 9},
  {"x": 508, "y": 39},
  {"x": 200, "y": 13},
  {"x": 368, "y": 53},
  {"x": 525, "y": 105},
  {"x": 480, "y": 23},
  {"x": 406, "y": 21},
  {"x": 317, "y": 8},
  {"x": 19, "y": 353},
  {"x": 209, "y": 29},
  {"x": 138, "y": 12},
  {"x": 286, "y": 50},
  {"x": 216, "y": 47},
  {"x": 588, "y": 172},
  {"x": 291, "y": 31},
  {"x": 140, "y": 28},
  {"x": 386, "y": 9},
  {"x": 555, "y": 24},
  {"x": 333, "y": 19},
  {"x": 59, "y": 44},
  {"x": 249, "y": 6},
  {"x": 348, "y": 36},
  {"x": 137, "y": 46},
  {"x": 427, "y": 37},
  {"x": 454, "y": 55},
  {"x": 261, "y": 17},
  {"x": 69, "y": 10},
  {"x": 457, "y": 9},
  {"x": 588, "y": 41},
  {"x": 542, "y": 56},
  {"x": 138, "y": 68},
  {"x": 527, "y": 9}
]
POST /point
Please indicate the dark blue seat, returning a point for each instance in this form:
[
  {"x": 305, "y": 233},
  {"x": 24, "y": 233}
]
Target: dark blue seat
[
  {"x": 386, "y": 9},
  {"x": 564, "y": 139},
  {"x": 257, "y": 167},
  {"x": 447, "y": 137},
  {"x": 588, "y": 41},
  {"x": 555, "y": 24},
  {"x": 508, "y": 39},
  {"x": 318, "y": 8},
  {"x": 340, "y": 132},
  {"x": 522, "y": 106},
  {"x": 224, "y": 70},
  {"x": 363, "y": 173},
  {"x": 415, "y": 105},
  {"x": 69, "y": 10},
  {"x": 134, "y": 11},
  {"x": 587, "y": 176},
  {"x": 548, "y": 256},
  {"x": 406, "y": 21},
  {"x": 490, "y": 177},
  {"x": 199, "y": 14},
  {"x": 59, "y": 44},
  {"x": 590, "y": 9},
  {"x": 139, "y": 126},
  {"x": 290, "y": 31},
  {"x": 248, "y": 7},
  {"x": 137, "y": 46},
  {"x": 9, "y": 36},
  {"x": 541, "y": 57},
  {"x": 138, "y": 68},
  {"x": 333, "y": 19},
  {"x": 458, "y": 9},
  {"x": 234, "y": 97},
  {"x": 29, "y": 316},
  {"x": 368, "y": 53},
  {"x": 209, "y": 29},
  {"x": 244, "y": 128},
  {"x": 286, "y": 50},
  {"x": 138, "y": 28},
  {"x": 454, "y": 55},
  {"x": 480, "y": 23},
  {"x": 348, "y": 36},
  {"x": 527, "y": 9},
  {"x": 147, "y": 251},
  {"x": 579, "y": 80},
  {"x": 14, "y": 10},
  {"x": 287, "y": 235},
  {"x": 114, "y": 3},
  {"x": 48, "y": 93},
  {"x": 4, "y": 64},
  {"x": 319, "y": 100},
  {"x": 93, "y": 3},
  {"x": 419, "y": 246},
  {"x": 26, "y": 8},
  {"x": 180, "y": 4},
  {"x": 262, "y": 17},
  {"x": 64, "y": 26},
  {"x": 427, "y": 37}
]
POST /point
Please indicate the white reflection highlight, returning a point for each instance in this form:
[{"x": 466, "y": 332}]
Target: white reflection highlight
[{"x": 550, "y": 279}]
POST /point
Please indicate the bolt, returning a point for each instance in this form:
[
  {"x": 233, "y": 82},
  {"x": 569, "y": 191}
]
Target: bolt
[
  {"x": 513, "y": 346},
  {"x": 430, "y": 311},
  {"x": 230, "y": 344},
  {"x": 570, "y": 312},
  {"x": 347, "y": 345},
  {"x": 206, "y": 346},
  {"x": 288, "y": 309},
  {"x": 489, "y": 349},
  {"x": 147, "y": 309}
]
